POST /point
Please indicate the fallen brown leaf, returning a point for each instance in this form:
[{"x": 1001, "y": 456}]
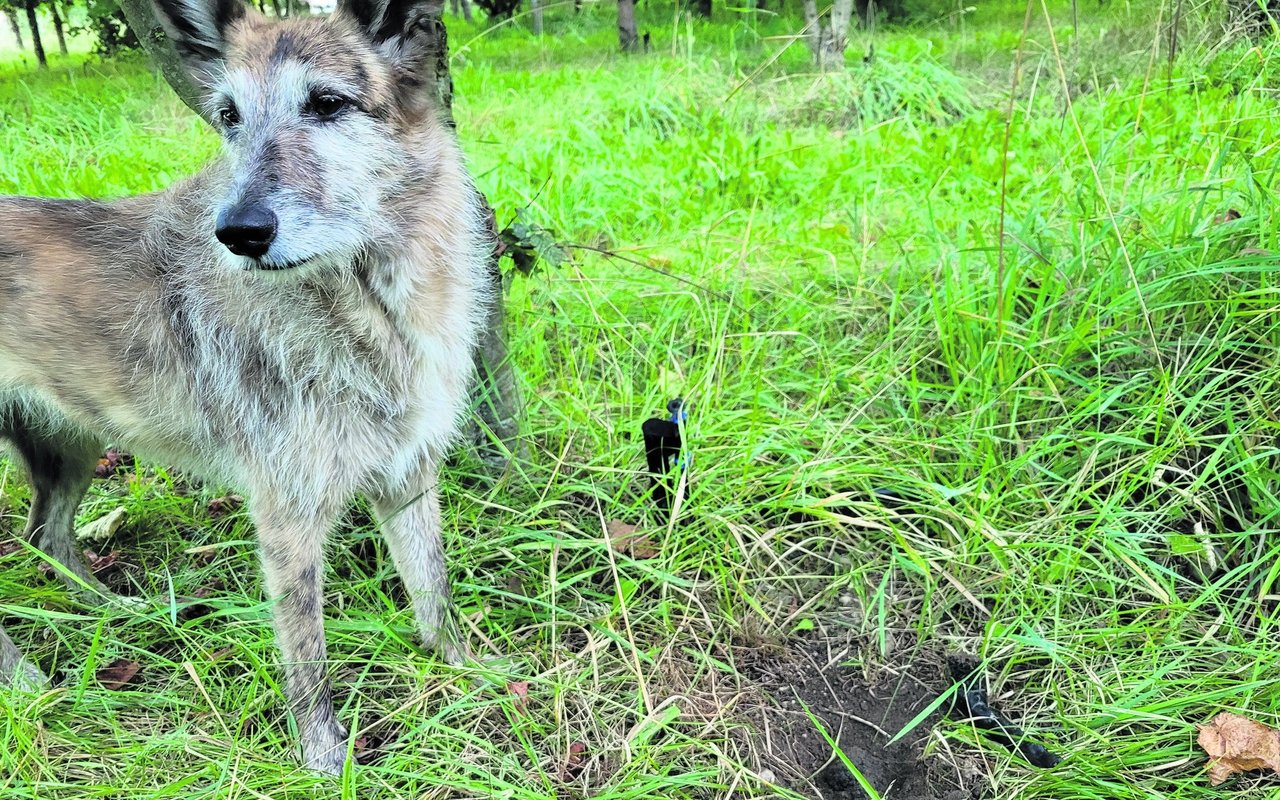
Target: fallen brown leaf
[
  {"x": 115, "y": 675},
  {"x": 222, "y": 506},
  {"x": 521, "y": 690},
  {"x": 574, "y": 762},
  {"x": 98, "y": 563},
  {"x": 626, "y": 539},
  {"x": 9, "y": 547},
  {"x": 1238, "y": 744}
]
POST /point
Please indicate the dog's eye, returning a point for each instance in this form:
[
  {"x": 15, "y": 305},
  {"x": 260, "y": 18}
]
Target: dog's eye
[
  {"x": 229, "y": 115},
  {"x": 326, "y": 106}
]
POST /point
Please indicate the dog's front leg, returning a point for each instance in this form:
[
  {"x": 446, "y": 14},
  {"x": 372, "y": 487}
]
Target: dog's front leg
[
  {"x": 292, "y": 546},
  {"x": 411, "y": 525}
]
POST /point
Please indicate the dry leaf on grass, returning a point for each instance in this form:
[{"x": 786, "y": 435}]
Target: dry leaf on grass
[
  {"x": 574, "y": 762},
  {"x": 100, "y": 562},
  {"x": 626, "y": 539},
  {"x": 97, "y": 563},
  {"x": 521, "y": 691},
  {"x": 115, "y": 675},
  {"x": 220, "y": 507},
  {"x": 1238, "y": 744}
]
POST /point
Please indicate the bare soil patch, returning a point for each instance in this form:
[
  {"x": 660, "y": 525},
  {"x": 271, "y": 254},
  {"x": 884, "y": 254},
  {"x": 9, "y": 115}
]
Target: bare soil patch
[{"x": 862, "y": 714}]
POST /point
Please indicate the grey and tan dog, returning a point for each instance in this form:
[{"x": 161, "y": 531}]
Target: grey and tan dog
[{"x": 316, "y": 289}]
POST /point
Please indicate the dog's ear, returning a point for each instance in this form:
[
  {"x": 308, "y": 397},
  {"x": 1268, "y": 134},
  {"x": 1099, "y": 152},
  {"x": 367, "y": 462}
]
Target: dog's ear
[
  {"x": 405, "y": 31},
  {"x": 198, "y": 28}
]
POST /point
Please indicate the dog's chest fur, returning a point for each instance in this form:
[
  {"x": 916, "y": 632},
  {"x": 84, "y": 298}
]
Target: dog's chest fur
[{"x": 342, "y": 377}]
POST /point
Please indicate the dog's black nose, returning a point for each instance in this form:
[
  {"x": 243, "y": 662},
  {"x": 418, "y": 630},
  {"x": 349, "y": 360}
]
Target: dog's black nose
[{"x": 247, "y": 230}]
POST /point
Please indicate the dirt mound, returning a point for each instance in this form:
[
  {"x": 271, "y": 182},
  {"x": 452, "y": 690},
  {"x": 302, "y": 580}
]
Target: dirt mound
[{"x": 863, "y": 716}]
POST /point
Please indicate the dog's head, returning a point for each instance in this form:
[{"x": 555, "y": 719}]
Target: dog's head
[{"x": 323, "y": 120}]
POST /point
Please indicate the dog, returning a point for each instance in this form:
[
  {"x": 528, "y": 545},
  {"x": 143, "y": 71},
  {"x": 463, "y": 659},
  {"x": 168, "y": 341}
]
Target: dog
[{"x": 318, "y": 288}]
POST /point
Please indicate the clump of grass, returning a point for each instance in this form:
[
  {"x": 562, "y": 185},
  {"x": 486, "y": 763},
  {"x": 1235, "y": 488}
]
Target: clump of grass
[{"x": 918, "y": 89}]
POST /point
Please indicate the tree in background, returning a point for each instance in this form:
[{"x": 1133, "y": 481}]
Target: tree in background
[
  {"x": 12, "y": 16},
  {"x": 57, "y": 26},
  {"x": 36, "y": 45},
  {"x": 828, "y": 42},
  {"x": 462, "y": 8},
  {"x": 106, "y": 23},
  {"x": 499, "y": 9},
  {"x": 628, "y": 38}
]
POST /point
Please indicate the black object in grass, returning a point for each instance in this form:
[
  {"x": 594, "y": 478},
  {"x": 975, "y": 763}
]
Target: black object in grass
[
  {"x": 662, "y": 447},
  {"x": 970, "y": 703}
]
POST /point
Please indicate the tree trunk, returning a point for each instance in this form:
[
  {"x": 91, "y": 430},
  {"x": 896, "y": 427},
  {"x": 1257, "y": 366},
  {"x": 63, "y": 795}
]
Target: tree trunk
[
  {"x": 497, "y": 435},
  {"x": 841, "y": 14},
  {"x": 627, "y": 36},
  {"x": 536, "y": 8},
  {"x": 57, "y": 28},
  {"x": 462, "y": 8},
  {"x": 814, "y": 32},
  {"x": 36, "y": 44},
  {"x": 828, "y": 42},
  {"x": 142, "y": 18},
  {"x": 13, "y": 24}
]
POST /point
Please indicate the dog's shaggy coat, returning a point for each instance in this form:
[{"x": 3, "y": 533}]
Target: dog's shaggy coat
[{"x": 332, "y": 360}]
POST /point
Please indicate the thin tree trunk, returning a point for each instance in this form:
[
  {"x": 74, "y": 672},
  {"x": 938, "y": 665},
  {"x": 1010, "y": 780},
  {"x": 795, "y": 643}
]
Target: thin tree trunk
[
  {"x": 142, "y": 18},
  {"x": 536, "y": 8},
  {"x": 275, "y": 6},
  {"x": 462, "y": 8},
  {"x": 838, "y": 41},
  {"x": 814, "y": 32},
  {"x": 36, "y": 44},
  {"x": 57, "y": 28},
  {"x": 13, "y": 25},
  {"x": 627, "y": 36},
  {"x": 497, "y": 435},
  {"x": 828, "y": 42}
]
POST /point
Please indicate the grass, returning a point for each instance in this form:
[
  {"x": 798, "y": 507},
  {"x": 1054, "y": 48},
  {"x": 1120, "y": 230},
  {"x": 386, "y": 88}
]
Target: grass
[{"x": 1056, "y": 450}]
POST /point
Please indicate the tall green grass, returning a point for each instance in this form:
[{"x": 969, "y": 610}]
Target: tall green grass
[{"x": 1055, "y": 450}]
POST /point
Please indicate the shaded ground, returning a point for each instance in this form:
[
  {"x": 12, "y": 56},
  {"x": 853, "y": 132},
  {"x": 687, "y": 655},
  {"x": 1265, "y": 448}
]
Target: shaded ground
[{"x": 863, "y": 716}]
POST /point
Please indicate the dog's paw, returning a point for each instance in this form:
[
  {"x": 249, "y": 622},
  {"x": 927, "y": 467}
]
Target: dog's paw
[
  {"x": 325, "y": 751},
  {"x": 446, "y": 640},
  {"x": 22, "y": 676}
]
